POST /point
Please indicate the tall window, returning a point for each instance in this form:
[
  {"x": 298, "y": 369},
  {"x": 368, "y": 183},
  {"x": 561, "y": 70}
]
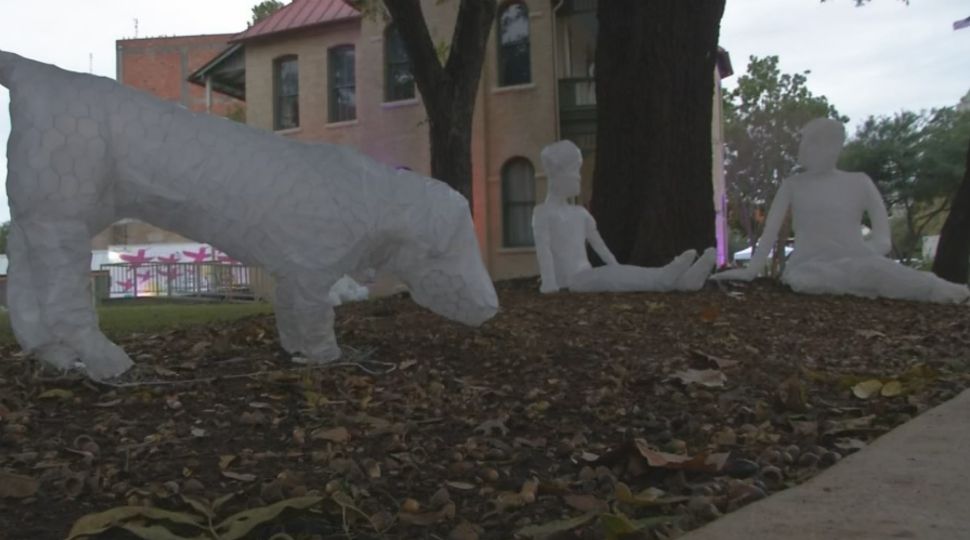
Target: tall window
[
  {"x": 343, "y": 85},
  {"x": 398, "y": 79},
  {"x": 518, "y": 199},
  {"x": 286, "y": 89},
  {"x": 514, "y": 65}
]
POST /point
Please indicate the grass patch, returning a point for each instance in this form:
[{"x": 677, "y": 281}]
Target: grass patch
[{"x": 123, "y": 317}]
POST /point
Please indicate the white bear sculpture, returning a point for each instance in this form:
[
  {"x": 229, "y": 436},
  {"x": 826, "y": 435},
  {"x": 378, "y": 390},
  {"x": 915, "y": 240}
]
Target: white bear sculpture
[
  {"x": 86, "y": 151},
  {"x": 830, "y": 255},
  {"x": 562, "y": 229}
]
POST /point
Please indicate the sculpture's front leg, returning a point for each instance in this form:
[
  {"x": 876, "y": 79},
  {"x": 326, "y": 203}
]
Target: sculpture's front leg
[
  {"x": 305, "y": 317},
  {"x": 52, "y": 312}
]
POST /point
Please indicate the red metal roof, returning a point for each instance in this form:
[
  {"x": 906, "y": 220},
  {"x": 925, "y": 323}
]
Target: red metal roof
[{"x": 299, "y": 14}]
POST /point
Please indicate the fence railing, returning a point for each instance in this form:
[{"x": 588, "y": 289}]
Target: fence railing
[{"x": 212, "y": 280}]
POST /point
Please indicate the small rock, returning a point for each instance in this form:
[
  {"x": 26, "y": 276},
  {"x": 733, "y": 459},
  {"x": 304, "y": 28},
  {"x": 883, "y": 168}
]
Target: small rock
[
  {"x": 703, "y": 509},
  {"x": 741, "y": 468},
  {"x": 829, "y": 458},
  {"x": 808, "y": 459},
  {"x": 192, "y": 486},
  {"x": 772, "y": 476}
]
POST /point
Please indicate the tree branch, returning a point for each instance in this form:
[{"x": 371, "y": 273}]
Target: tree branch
[{"x": 428, "y": 72}]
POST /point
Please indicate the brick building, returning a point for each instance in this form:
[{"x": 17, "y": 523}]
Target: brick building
[{"x": 161, "y": 66}]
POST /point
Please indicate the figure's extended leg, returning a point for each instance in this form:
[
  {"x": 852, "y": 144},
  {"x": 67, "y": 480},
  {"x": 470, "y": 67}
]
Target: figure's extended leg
[
  {"x": 65, "y": 324},
  {"x": 695, "y": 276},
  {"x": 304, "y": 318},
  {"x": 627, "y": 278}
]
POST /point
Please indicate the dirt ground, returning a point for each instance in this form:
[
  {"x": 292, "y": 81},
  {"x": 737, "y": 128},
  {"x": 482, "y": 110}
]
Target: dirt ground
[{"x": 566, "y": 416}]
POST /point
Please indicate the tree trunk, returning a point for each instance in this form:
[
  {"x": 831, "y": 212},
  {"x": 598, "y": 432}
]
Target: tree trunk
[
  {"x": 952, "y": 260},
  {"x": 448, "y": 91},
  {"x": 652, "y": 184}
]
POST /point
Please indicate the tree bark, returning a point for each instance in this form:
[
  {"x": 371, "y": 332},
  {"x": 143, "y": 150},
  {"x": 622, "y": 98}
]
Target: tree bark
[
  {"x": 448, "y": 91},
  {"x": 952, "y": 261},
  {"x": 652, "y": 184}
]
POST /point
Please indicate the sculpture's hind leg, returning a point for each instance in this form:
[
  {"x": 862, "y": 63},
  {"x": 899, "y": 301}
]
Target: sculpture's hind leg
[
  {"x": 25, "y": 313},
  {"x": 304, "y": 318},
  {"x": 54, "y": 315}
]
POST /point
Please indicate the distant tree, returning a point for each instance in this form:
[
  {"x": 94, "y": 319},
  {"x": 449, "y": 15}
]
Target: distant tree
[
  {"x": 265, "y": 9},
  {"x": 762, "y": 119},
  {"x": 4, "y": 232},
  {"x": 917, "y": 160}
]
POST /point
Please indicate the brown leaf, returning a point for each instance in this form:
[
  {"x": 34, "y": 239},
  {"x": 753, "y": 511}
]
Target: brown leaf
[
  {"x": 16, "y": 486},
  {"x": 338, "y": 435},
  {"x": 428, "y": 518},
  {"x": 792, "y": 395},
  {"x": 711, "y": 378}
]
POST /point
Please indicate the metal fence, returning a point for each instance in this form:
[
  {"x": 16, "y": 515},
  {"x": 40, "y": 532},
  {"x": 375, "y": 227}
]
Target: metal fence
[{"x": 207, "y": 279}]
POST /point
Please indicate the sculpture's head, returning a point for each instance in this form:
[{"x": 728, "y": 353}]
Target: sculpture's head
[
  {"x": 440, "y": 262},
  {"x": 562, "y": 161},
  {"x": 822, "y": 140}
]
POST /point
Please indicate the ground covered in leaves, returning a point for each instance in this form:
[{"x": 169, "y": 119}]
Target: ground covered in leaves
[{"x": 567, "y": 416}]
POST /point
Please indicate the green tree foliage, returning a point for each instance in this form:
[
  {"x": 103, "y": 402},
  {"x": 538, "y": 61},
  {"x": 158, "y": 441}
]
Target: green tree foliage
[
  {"x": 4, "y": 231},
  {"x": 265, "y": 9},
  {"x": 762, "y": 119},
  {"x": 916, "y": 159}
]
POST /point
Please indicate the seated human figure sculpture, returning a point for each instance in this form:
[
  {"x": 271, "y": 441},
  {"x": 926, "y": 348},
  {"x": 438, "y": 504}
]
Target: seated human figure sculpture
[
  {"x": 562, "y": 229},
  {"x": 86, "y": 151},
  {"x": 830, "y": 255}
]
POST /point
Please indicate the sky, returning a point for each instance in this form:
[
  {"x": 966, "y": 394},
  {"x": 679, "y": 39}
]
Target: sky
[{"x": 875, "y": 60}]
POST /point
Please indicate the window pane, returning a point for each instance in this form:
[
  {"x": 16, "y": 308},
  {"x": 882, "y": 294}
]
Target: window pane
[
  {"x": 343, "y": 89},
  {"x": 518, "y": 199},
  {"x": 399, "y": 82},
  {"x": 287, "y": 92},
  {"x": 513, "y": 29}
]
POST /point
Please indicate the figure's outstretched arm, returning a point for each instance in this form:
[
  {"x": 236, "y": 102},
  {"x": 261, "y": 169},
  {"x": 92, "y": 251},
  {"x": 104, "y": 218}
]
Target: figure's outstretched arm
[
  {"x": 880, "y": 240},
  {"x": 543, "y": 240},
  {"x": 597, "y": 243},
  {"x": 776, "y": 215}
]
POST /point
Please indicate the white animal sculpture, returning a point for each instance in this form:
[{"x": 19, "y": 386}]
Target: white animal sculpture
[
  {"x": 830, "y": 255},
  {"x": 86, "y": 151},
  {"x": 561, "y": 230}
]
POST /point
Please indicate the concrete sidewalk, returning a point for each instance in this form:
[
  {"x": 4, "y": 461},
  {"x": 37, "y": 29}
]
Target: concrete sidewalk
[{"x": 913, "y": 482}]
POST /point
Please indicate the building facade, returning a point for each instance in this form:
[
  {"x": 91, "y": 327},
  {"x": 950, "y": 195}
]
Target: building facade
[{"x": 318, "y": 71}]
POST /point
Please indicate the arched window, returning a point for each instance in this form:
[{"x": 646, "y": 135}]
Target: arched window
[
  {"x": 514, "y": 65},
  {"x": 286, "y": 92},
  {"x": 398, "y": 78},
  {"x": 343, "y": 84},
  {"x": 518, "y": 199}
]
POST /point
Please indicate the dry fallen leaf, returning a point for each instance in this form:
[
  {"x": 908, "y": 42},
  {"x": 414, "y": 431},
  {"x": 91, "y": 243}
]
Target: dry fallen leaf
[
  {"x": 867, "y": 389},
  {"x": 338, "y": 435},
  {"x": 891, "y": 389},
  {"x": 16, "y": 486}
]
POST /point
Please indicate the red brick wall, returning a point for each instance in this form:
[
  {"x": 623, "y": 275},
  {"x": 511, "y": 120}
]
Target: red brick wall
[{"x": 162, "y": 65}]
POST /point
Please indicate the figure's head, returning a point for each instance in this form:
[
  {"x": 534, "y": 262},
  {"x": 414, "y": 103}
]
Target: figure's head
[
  {"x": 562, "y": 161},
  {"x": 441, "y": 263},
  {"x": 822, "y": 140}
]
